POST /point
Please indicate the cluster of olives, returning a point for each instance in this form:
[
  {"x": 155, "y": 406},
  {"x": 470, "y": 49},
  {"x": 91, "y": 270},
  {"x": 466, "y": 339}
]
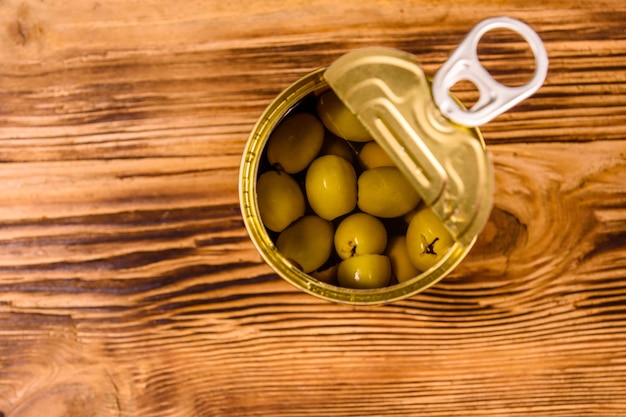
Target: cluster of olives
[{"x": 337, "y": 207}]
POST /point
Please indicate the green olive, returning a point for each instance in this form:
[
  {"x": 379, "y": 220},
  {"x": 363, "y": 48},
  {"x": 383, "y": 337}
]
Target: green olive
[
  {"x": 339, "y": 119},
  {"x": 360, "y": 234},
  {"x": 327, "y": 275},
  {"x": 385, "y": 192},
  {"x": 334, "y": 145},
  {"x": 331, "y": 186},
  {"x": 280, "y": 200},
  {"x": 372, "y": 155},
  {"x": 427, "y": 239},
  {"x": 401, "y": 264},
  {"x": 364, "y": 271},
  {"x": 307, "y": 242},
  {"x": 295, "y": 142},
  {"x": 409, "y": 216}
]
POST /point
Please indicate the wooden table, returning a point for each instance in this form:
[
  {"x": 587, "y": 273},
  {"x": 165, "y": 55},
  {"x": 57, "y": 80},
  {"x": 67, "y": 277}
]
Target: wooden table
[{"x": 128, "y": 283}]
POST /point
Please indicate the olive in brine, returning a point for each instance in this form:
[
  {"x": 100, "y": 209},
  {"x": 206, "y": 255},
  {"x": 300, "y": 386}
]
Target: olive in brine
[
  {"x": 360, "y": 234},
  {"x": 307, "y": 243},
  {"x": 327, "y": 275},
  {"x": 364, "y": 272},
  {"x": 295, "y": 142},
  {"x": 339, "y": 119},
  {"x": 280, "y": 200},
  {"x": 385, "y": 192},
  {"x": 427, "y": 239},
  {"x": 331, "y": 186},
  {"x": 372, "y": 155},
  {"x": 401, "y": 264},
  {"x": 334, "y": 145}
]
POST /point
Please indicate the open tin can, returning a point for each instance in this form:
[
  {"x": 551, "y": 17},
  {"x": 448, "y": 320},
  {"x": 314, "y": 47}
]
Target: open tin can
[{"x": 430, "y": 137}]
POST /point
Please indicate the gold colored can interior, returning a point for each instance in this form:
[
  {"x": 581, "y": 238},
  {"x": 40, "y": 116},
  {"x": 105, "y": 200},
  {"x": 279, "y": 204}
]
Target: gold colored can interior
[{"x": 312, "y": 85}]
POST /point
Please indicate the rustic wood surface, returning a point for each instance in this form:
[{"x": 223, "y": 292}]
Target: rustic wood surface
[{"x": 128, "y": 283}]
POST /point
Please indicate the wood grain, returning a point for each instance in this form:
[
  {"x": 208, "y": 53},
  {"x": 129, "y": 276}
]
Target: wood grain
[{"x": 128, "y": 283}]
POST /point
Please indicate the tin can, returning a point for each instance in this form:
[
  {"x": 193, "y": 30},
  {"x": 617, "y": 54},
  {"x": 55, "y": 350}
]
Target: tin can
[{"x": 430, "y": 137}]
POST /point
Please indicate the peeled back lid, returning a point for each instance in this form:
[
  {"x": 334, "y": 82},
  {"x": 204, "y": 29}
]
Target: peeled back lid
[{"x": 446, "y": 163}]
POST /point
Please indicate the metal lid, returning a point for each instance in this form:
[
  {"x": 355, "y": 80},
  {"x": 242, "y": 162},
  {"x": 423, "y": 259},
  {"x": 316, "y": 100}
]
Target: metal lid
[{"x": 446, "y": 163}]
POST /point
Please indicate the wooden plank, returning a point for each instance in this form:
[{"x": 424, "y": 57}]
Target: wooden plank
[{"x": 128, "y": 283}]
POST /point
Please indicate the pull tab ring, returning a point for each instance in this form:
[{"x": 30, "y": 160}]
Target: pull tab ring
[{"x": 464, "y": 65}]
